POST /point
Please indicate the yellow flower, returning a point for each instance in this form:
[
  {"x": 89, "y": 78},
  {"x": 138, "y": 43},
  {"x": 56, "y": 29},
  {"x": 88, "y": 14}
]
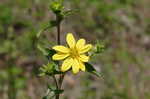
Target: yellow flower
[{"x": 74, "y": 55}]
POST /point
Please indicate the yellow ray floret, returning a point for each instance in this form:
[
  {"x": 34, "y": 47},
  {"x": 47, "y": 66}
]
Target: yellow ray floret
[{"x": 74, "y": 55}]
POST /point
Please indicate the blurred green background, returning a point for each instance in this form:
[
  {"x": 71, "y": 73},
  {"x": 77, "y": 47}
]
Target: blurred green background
[{"x": 122, "y": 25}]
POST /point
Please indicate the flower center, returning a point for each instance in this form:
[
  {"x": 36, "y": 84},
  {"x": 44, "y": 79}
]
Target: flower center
[{"x": 74, "y": 53}]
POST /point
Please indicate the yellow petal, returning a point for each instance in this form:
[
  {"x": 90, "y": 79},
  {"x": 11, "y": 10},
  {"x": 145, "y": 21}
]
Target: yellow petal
[
  {"x": 59, "y": 56},
  {"x": 85, "y": 49},
  {"x": 61, "y": 49},
  {"x": 70, "y": 40},
  {"x": 66, "y": 64},
  {"x": 75, "y": 66},
  {"x": 82, "y": 66},
  {"x": 84, "y": 58},
  {"x": 80, "y": 44}
]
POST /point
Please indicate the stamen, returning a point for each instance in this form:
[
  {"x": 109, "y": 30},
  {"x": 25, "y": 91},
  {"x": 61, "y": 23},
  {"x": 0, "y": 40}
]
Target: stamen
[{"x": 74, "y": 53}]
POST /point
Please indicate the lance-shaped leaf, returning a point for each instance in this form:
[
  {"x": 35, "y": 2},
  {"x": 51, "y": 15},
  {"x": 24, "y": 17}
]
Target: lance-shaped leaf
[
  {"x": 46, "y": 26},
  {"x": 69, "y": 12},
  {"x": 43, "y": 50},
  {"x": 51, "y": 52},
  {"x": 46, "y": 51},
  {"x": 91, "y": 69}
]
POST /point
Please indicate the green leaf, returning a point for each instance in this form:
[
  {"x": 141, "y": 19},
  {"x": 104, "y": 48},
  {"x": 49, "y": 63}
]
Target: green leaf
[
  {"x": 92, "y": 70},
  {"x": 69, "y": 12},
  {"x": 45, "y": 97},
  {"x": 6, "y": 16},
  {"x": 50, "y": 87},
  {"x": 51, "y": 52},
  {"x": 46, "y": 26},
  {"x": 49, "y": 69},
  {"x": 16, "y": 71},
  {"x": 46, "y": 51},
  {"x": 57, "y": 72},
  {"x": 42, "y": 49},
  {"x": 42, "y": 74},
  {"x": 53, "y": 23},
  {"x": 58, "y": 91},
  {"x": 99, "y": 48}
]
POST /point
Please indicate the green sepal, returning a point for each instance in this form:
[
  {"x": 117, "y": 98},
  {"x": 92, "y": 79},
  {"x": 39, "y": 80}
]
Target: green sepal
[{"x": 91, "y": 69}]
